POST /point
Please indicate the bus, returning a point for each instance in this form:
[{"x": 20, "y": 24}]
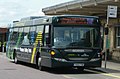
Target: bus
[{"x": 71, "y": 41}]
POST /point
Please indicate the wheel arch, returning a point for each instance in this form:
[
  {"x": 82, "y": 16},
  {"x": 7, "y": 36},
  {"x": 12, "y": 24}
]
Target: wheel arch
[
  {"x": 14, "y": 53},
  {"x": 37, "y": 56}
]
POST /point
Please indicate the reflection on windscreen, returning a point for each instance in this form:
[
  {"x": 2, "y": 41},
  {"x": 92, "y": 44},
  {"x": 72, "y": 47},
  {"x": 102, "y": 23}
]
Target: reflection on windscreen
[{"x": 76, "y": 36}]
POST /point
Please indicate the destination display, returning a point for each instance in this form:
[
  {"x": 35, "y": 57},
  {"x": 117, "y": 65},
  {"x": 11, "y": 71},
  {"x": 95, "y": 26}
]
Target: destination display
[{"x": 76, "y": 20}]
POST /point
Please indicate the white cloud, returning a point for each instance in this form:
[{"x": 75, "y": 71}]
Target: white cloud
[
  {"x": 16, "y": 9},
  {"x": 35, "y": 13},
  {"x": 41, "y": 13}
]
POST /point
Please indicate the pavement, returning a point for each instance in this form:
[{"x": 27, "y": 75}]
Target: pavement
[{"x": 111, "y": 66}]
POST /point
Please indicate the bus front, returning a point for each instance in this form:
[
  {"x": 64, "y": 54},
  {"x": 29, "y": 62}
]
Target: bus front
[{"x": 76, "y": 42}]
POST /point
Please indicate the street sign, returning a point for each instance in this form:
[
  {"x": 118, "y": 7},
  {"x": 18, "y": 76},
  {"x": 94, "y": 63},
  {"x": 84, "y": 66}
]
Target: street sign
[{"x": 112, "y": 11}]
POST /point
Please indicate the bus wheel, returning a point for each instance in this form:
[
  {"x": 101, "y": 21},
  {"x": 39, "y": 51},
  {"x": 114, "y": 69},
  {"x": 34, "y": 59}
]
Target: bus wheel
[
  {"x": 16, "y": 60},
  {"x": 40, "y": 67}
]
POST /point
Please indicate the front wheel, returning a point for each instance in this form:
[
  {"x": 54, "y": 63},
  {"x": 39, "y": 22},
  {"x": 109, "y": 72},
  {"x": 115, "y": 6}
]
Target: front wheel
[
  {"x": 16, "y": 60},
  {"x": 40, "y": 67}
]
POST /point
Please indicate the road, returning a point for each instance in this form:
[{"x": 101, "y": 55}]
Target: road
[{"x": 9, "y": 70}]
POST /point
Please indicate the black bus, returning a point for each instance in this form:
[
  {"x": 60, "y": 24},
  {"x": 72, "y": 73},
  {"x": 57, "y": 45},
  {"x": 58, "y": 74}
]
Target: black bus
[{"x": 56, "y": 41}]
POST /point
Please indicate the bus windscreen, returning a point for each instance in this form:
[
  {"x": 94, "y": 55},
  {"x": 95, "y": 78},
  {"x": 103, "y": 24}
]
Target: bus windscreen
[{"x": 76, "y": 36}]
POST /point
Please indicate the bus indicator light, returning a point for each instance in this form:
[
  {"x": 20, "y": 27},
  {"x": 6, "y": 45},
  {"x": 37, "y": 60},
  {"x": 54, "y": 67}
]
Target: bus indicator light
[{"x": 52, "y": 53}]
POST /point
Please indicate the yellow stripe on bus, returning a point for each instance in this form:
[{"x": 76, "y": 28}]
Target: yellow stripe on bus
[
  {"x": 38, "y": 38},
  {"x": 33, "y": 54}
]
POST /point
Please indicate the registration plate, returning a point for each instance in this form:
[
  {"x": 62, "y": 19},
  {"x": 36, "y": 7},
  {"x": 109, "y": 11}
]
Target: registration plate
[{"x": 79, "y": 64}]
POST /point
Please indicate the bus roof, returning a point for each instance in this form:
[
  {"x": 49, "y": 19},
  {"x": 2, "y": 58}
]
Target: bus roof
[
  {"x": 75, "y": 16},
  {"x": 37, "y": 20}
]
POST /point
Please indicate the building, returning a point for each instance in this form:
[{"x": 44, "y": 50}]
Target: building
[
  {"x": 94, "y": 8},
  {"x": 3, "y": 38}
]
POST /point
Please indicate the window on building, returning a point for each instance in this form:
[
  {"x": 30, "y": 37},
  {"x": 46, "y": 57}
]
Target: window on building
[{"x": 118, "y": 37}]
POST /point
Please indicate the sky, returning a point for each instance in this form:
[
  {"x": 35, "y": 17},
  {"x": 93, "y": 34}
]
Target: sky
[{"x": 11, "y": 10}]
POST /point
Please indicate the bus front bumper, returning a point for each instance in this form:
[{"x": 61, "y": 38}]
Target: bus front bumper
[{"x": 57, "y": 62}]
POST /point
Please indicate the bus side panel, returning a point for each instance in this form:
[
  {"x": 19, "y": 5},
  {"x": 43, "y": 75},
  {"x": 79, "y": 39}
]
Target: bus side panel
[
  {"x": 9, "y": 52},
  {"x": 46, "y": 57},
  {"x": 24, "y": 53},
  {"x": 10, "y": 44}
]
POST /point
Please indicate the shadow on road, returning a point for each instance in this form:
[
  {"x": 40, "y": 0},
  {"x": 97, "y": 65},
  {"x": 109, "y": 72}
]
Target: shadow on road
[
  {"x": 86, "y": 71},
  {"x": 72, "y": 70},
  {"x": 107, "y": 70},
  {"x": 25, "y": 64},
  {"x": 69, "y": 71}
]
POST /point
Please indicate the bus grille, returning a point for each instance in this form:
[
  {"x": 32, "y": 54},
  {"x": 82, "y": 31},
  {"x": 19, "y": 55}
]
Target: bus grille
[{"x": 78, "y": 59}]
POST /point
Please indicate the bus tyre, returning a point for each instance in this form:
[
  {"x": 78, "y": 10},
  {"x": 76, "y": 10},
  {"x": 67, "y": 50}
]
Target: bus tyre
[
  {"x": 40, "y": 67},
  {"x": 15, "y": 60}
]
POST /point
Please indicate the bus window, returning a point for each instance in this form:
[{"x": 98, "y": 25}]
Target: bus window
[
  {"x": 14, "y": 36},
  {"x": 32, "y": 35},
  {"x": 67, "y": 36},
  {"x": 21, "y": 33},
  {"x": 25, "y": 40},
  {"x": 62, "y": 35},
  {"x": 40, "y": 28},
  {"x": 39, "y": 31},
  {"x": 10, "y": 34},
  {"x": 47, "y": 35}
]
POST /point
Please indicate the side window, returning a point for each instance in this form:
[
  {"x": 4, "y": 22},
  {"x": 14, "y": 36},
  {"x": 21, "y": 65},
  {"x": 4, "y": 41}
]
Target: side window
[
  {"x": 21, "y": 34},
  {"x": 40, "y": 34},
  {"x": 32, "y": 35},
  {"x": 47, "y": 35},
  {"x": 13, "y": 36},
  {"x": 117, "y": 37},
  {"x": 25, "y": 40},
  {"x": 10, "y": 34}
]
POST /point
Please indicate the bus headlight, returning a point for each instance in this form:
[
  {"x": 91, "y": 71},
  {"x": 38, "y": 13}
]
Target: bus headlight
[
  {"x": 60, "y": 59},
  {"x": 52, "y": 53},
  {"x": 95, "y": 59}
]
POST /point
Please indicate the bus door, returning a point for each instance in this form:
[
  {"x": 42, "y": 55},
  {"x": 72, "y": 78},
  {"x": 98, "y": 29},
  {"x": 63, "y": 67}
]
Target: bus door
[
  {"x": 46, "y": 45},
  {"x": 9, "y": 44}
]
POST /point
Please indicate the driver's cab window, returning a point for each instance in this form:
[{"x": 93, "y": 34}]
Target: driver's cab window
[
  {"x": 47, "y": 35},
  {"x": 58, "y": 35}
]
